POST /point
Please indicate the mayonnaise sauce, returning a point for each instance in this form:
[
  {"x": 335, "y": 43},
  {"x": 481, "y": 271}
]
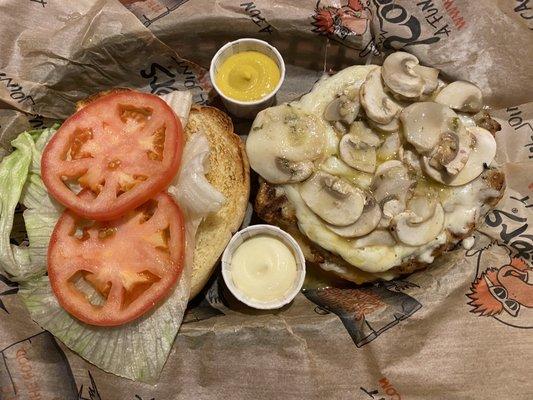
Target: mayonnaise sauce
[{"x": 263, "y": 268}]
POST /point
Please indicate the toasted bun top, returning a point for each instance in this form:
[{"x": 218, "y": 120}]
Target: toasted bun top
[{"x": 229, "y": 173}]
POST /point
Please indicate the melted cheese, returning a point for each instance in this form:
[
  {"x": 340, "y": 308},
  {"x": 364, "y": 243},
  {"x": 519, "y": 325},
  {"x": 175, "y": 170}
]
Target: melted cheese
[
  {"x": 335, "y": 166},
  {"x": 369, "y": 258},
  {"x": 326, "y": 89},
  {"x": 462, "y": 205}
]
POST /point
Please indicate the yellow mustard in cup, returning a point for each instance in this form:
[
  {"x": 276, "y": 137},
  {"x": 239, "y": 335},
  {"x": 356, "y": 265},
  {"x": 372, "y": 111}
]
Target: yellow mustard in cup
[{"x": 248, "y": 76}]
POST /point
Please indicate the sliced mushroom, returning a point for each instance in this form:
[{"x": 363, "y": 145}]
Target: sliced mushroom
[
  {"x": 392, "y": 207},
  {"x": 483, "y": 152},
  {"x": 423, "y": 123},
  {"x": 298, "y": 171},
  {"x": 333, "y": 199},
  {"x": 378, "y": 106},
  {"x": 390, "y": 147},
  {"x": 365, "y": 134},
  {"x": 335, "y": 166},
  {"x": 407, "y": 231},
  {"x": 462, "y": 96},
  {"x": 402, "y": 75},
  {"x": 357, "y": 154},
  {"x": 391, "y": 181},
  {"x": 339, "y": 128},
  {"x": 377, "y": 237},
  {"x": 422, "y": 206},
  {"x": 484, "y": 120},
  {"x": 366, "y": 223},
  {"x": 283, "y": 142},
  {"x": 392, "y": 126},
  {"x": 387, "y": 165},
  {"x": 411, "y": 159},
  {"x": 430, "y": 77},
  {"x": 453, "y": 150},
  {"x": 342, "y": 109}
]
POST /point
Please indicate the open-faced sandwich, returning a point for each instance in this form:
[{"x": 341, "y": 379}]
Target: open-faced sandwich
[
  {"x": 379, "y": 169},
  {"x": 127, "y": 205}
]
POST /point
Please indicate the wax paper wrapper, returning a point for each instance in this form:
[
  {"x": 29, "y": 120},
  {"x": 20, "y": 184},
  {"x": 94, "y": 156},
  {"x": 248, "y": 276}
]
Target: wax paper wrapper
[{"x": 439, "y": 333}]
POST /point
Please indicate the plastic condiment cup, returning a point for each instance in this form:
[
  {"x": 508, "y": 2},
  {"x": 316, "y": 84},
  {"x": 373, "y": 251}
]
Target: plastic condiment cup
[
  {"x": 268, "y": 230},
  {"x": 246, "y": 109}
]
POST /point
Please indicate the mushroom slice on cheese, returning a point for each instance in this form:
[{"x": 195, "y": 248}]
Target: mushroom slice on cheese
[
  {"x": 423, "y": 207},
  {"x": 343, "y": 108},
  {"x": 411, "y": 159},
  {"x": 453, "y": 150},
  {"x": 392, "y": 126},
  {"x": 424, "y": 122},
  {"x": 461, "y": 96},
  {"x": 482, "y": 154},
  {"x": 411, "y": 233},
  {"x": 366, "y": 223},
  {"x": 390, "y": 147},
  {"x": 392, "y": 207},
  {"x": 378, "y": 237},
  {"x": 391, "y": 180},
  {"x": 403, "y": 76},
  {"x": 430, "y": 76},
  {"x": 283, "y": 142},
  {"x": 378, "y": 105},
  {"x": 357, "y": 154},
  {"x": 333, "y": 199},
  {"x": 298, "y": 171},
  {"x": 365, "y": 134}
]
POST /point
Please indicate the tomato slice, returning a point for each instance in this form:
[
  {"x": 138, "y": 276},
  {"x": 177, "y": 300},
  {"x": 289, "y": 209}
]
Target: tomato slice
[
  {"x": 125, "y": 147},
  {"x": 109, "y": 273}
]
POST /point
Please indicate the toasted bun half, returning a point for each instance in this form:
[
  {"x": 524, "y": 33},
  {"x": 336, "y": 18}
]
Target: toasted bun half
[{"x": 229, "y": 173}]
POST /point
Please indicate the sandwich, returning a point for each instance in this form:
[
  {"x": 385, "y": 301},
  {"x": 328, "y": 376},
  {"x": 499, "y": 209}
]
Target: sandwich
[
  {"x": 377, "y": 170},
  {"x": 127, "y": 206}
]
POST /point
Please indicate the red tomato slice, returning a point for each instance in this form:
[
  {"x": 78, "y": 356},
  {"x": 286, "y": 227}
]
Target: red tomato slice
[
  {"x": 132, "y": 263},
  {"x": 125, "y": 147}
]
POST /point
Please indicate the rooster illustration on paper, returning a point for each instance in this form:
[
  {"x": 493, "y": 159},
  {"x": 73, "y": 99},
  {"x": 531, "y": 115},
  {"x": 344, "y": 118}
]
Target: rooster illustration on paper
[{"x": 351, "y": 19}]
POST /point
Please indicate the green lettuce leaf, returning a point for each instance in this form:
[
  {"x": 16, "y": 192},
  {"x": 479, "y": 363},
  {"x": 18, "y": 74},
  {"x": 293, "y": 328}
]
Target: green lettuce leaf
[
  {"x": 20, "y": 182},
  {"x": 137, "y": 350}
]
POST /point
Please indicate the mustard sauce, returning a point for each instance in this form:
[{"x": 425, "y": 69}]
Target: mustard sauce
[{"x": 247, "y": 76}]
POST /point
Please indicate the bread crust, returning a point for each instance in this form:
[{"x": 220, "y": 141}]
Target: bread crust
[{"x": 229, "y": 173}]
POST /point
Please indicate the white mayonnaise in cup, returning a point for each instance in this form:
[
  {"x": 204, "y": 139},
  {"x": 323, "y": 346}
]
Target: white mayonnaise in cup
[
  {"x": 246, "y": 109},
  {"x": 263, "y": 231}
]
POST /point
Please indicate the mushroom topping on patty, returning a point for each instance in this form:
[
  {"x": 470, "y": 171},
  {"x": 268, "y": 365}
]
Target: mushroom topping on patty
[
  {"x": 461, "y": 96},
  {"x": 404, "y": 76},
  {"x": 343, "y": 108},
  {"x": 405, "y": 228},
  {"x": 438, "y": 135},
  {"x": 357, "y": 154},
  {"x": 378, "y": 105},
  {"x": 333, "y": 199},
  {"x": 392, "y": 126},
  {"x": 366, "y": 223},
  {"x": 482, "y": 154},
  {"x": 283, "y": 143}
]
